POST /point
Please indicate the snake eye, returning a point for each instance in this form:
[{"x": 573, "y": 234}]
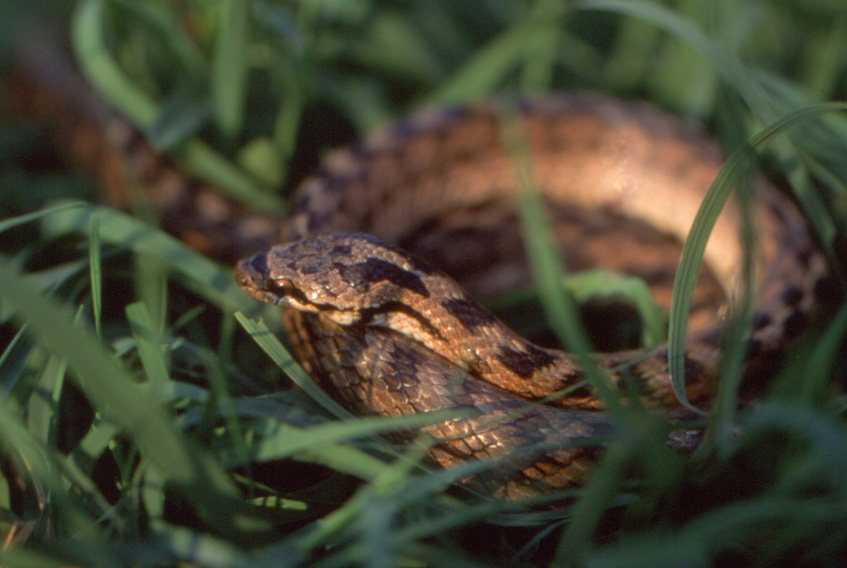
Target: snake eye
[
  {"x": 278, "y": 291},
  {"x": 283, "y": 286}
]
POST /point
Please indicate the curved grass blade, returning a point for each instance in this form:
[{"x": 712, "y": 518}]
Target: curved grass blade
[
  {"x": 95, "y": 267},
  {"x": 12, "y": 222},
  {"x": 546, "y": 264},
  {"x": 695, "y": 244},
  {"x": 206, "y": 277},
  {"x": 285, "y": 361},
  {"x": 762, "y": 104},
  {"x": 196, "y": 156}
]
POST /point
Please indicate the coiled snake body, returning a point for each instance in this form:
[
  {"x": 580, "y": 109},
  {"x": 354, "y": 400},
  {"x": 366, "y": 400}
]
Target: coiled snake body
[
  {"x": 387, "y": 334},
  {"x": 391, "y": 335}
]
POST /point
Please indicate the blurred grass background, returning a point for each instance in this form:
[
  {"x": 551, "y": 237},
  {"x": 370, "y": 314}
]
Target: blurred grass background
[{"x": 140, "y": 425}]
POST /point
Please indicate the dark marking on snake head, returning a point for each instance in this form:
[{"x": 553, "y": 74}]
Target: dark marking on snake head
[
  {"x": 341, "y": 250},
  {"x": 257, "y": 267},
  {"x": 401, "y": 252},
  {"x": 524, "y": 362},
  {"x": 470, "y": 314},
  {"x": 307, "y": 265},
  {"x": 375, "y": 270}
]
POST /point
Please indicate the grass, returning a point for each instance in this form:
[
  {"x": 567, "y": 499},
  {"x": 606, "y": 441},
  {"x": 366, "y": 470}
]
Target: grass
[{"x": 141, "y": 425}]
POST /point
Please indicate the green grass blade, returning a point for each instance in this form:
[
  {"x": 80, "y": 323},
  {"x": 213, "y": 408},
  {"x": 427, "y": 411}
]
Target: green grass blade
[
  {"x": 547, "y": 267},
  {"x": 13, "y": 362},
  {"x": 96, "y": 275},
  {"x": 196, "y": 156},
  {"x": 598, "y": 284},
  {"x": 816, "y": 364},
  {"x": 694, "y": 247},
  {"x": 121, "y": 229},
  {"x": 731, "y": 69},
  {"x": 284, "y": 360},
  {"x": 148, "y": 343},
  {"x": 229, "y": 68},
  {"x": 287, "y": 441},
  {"x": 112, "y": 391},
  {"x": 102, "y": 70},
  {"x": 492, "y": 63},
  {"x": 12, "y": 222},
  {"x": 761, "y": 102}
]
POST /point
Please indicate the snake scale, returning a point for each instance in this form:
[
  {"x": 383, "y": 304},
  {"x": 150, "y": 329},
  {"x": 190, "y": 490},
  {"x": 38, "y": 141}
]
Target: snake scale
[{"x": 386, "y": 333}]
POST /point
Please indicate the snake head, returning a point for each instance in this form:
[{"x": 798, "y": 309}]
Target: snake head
[{"x": 346, "y": 277}]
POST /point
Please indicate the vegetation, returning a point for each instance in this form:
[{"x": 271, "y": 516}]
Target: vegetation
[{"x": 141, "y": 425}]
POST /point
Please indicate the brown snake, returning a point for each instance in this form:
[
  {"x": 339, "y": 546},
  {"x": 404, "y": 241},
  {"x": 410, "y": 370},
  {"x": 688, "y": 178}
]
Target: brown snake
[
  {"x": 387, "y": 334},
  {"x": 390, "y": 335}
]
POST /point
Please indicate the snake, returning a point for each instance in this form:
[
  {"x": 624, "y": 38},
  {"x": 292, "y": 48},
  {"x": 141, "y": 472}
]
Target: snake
[{"x": 390, "y": 246}]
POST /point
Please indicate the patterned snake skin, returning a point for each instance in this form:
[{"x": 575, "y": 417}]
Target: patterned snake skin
[
  {"x": 386, "y": 333},
  {"x": 390, "y": 335}
]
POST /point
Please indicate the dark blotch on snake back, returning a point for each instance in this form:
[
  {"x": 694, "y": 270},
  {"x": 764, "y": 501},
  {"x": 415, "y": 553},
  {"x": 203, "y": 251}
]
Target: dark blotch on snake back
[
  {"x": 524, "y": 363},
  {"x": 777, "y": 213},
  {"x": 368, "y": 315},
  {"x": 795, "y": 324},
  {"x": 804, "y": 256},
  {"x": 694, "y": 370},
  {"x": 792, "y": 296},
  {"x": 761, "y": 320},
  {"x": 470, "y": 314}
]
